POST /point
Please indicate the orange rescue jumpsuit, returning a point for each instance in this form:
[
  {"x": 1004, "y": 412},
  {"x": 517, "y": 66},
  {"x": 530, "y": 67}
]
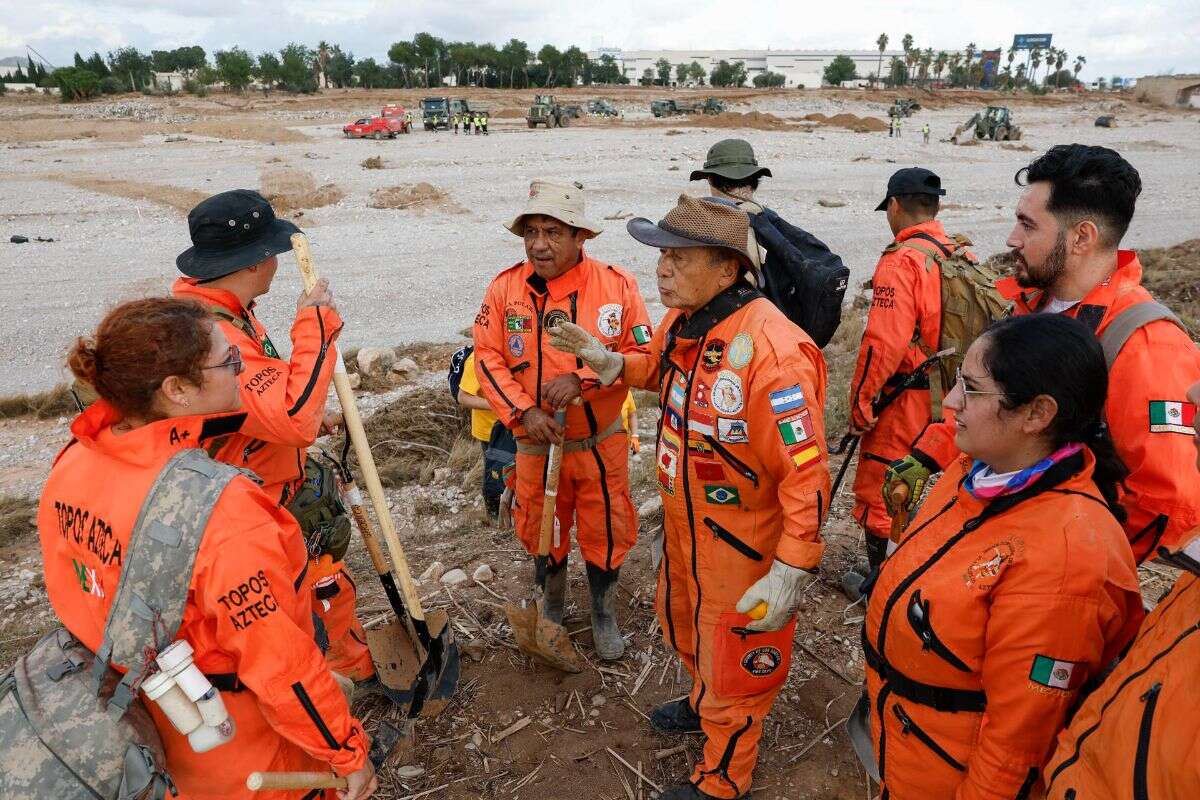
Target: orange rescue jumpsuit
[
  {"x": 513, "y": 362},
  {"x": 741, "y": 467},
  {"x": 1138, "y": 736},
  {"x": 982, "y": 626},
  {"x": 1161, "y": 496},
  {"x": 906, "y": 300},
  {"x": 289, "y": 712},
  {"x": 285, "y": 404}
]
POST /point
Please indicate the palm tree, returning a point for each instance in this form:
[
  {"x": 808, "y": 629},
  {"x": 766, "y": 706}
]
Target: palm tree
[
  {"x": 955, "y": 60},
  {"x": 1007, "y": 72},
  {"x": 939, "y": 64},
  {"x": 322, "y": 60},
  {"x": 906, "y": 43},
  {"x": 1079, "y": 62},
  {"x": 881, "y": 43},
  {"x": 969, "y": 55},
  {"x": 926, "y": 60},
  {"x": 1035, "y": 60},
  {"x": 1060, "y": 58},
  {"x": 1020, "y": 73}
]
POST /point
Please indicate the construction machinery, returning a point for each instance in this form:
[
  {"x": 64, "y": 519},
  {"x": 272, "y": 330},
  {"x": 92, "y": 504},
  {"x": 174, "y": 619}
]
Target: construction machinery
[
  {"x": 602, "y": 108},
  {"x": 903, "y": 107},
  {"x": 546, "y": 111},
  {"x": 672, "y": 108},
  {"x": 573, "y": 111},
  {"x": 435, "y": 113},
  {"x": 994, "y": 123}
]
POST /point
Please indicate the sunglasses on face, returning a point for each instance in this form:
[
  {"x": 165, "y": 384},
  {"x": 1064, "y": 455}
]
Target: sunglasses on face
[
  {"x": 233, "y": 361},
  {"x": 958, "y": 381}
]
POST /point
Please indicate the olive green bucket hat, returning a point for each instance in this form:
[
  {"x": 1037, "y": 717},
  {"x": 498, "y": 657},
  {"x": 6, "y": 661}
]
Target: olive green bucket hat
[{"x": 732, "y": 159}]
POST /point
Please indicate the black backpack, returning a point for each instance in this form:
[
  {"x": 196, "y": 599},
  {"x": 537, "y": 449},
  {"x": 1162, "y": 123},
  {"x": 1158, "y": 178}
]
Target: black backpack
[
  {"x": 455, "y": 373},
  {"x": 804, "y": 278}
]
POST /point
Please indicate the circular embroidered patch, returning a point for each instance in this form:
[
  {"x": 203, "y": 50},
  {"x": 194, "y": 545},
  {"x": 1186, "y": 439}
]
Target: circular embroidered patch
[
  {"x": 741, "y": 350},
  {"x": 714, "y": 351},
  {"x": 609, "y": 321},
  {"x": 554, "y": 318},
  {"x": 727, "y": 392},
  {"x": 516, "y": 345},
  {"x": 762, "y": 661}
]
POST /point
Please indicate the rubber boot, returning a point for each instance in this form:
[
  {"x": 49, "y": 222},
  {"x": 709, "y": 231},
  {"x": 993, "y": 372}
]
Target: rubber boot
[
  {"x": 605, "y": 634},
  {"x": 688, "y": 791},
  {"x": 552, "y": 579},
  {"x": 676, "y": 716}
]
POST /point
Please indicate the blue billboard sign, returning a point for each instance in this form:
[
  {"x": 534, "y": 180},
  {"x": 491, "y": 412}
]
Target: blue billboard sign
[{"x": 1028, "y": 41}]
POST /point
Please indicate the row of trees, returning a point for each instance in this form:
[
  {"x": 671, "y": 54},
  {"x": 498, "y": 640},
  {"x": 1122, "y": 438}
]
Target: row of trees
[{"x": 963, "y": 69}]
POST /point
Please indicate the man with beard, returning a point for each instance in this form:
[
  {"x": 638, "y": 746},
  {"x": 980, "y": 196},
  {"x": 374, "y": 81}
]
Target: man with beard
[{"x": 1076, "y": 208}]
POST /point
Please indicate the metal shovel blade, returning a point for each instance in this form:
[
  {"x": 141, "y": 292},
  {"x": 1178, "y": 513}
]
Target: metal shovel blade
[
  {"x": 542, "y": 639},
  {"x": 420, "y": 681}
]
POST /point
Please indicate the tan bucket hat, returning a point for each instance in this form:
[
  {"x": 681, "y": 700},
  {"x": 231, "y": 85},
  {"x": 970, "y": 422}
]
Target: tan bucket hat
[
  {"x": 562, "y": 201},
  {"x": 701, "y": 222}
]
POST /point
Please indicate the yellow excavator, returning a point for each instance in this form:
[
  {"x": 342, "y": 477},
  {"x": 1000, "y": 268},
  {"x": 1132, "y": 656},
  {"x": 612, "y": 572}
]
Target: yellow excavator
[{"x": 994, "y": 123}]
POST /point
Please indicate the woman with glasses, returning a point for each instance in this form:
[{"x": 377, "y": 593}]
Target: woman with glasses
[
  {"x": 167, "y": 379},
  {"x": 1014, "y": 586}
]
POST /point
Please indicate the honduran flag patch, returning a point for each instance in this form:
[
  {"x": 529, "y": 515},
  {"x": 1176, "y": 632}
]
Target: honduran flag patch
[{"x": 787, "y": 399}]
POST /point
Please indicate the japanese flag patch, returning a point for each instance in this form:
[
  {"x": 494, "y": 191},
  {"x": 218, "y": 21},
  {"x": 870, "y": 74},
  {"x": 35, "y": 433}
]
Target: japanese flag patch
[{"x": 1056, "y": 674}]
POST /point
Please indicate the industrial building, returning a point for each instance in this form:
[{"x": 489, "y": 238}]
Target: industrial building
[{"x": 798, "y": 67}]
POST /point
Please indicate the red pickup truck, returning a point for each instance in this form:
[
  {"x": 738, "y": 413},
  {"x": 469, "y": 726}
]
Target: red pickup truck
[{"x": 374, "y": 127}]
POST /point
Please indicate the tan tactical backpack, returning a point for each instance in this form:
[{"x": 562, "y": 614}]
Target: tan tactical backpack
[
  {"x": 970, "y": 303},
  {"x": 72, "y": 727}
]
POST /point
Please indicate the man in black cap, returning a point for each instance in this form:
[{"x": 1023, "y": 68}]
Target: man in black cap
[
  {"x": 903, "y": 329},
  {"x": 232, "y": 262}
]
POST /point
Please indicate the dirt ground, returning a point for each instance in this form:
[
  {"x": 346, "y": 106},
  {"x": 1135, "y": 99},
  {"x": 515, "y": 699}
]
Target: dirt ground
[
  {"x": 111, "y": 181},
  {"x": 114, "y": 200}
]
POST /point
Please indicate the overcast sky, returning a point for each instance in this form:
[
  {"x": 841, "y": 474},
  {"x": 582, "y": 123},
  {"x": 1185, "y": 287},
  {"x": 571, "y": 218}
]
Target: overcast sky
[{"x": 1124, "y": 38}]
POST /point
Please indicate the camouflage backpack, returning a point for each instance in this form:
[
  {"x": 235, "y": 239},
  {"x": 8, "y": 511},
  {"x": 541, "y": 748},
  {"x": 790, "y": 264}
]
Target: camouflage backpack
[
  {"x": 72, "y": 727},
  {"x": 970, "y": 303}
]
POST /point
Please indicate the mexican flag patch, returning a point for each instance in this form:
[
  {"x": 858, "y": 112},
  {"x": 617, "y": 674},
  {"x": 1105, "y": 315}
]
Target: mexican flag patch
[
  {"x": 1171, "y": 416},
  {"x": 797, "y": 428},
  {"x": 641, "y": 334},
  {"x": 1056, "y": 674}
]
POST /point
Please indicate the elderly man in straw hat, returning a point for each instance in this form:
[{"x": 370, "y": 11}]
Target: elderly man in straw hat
[
  {"x": 526, "y": 381},
  {"x": 741, "y": 466}
]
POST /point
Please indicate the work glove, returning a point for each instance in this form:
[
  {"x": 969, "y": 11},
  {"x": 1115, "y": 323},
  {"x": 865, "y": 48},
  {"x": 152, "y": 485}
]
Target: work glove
[
  {"x": 778, "y": 589},
  {"x": 570, "y": 338},
  {"x": 913, "y": 472}
]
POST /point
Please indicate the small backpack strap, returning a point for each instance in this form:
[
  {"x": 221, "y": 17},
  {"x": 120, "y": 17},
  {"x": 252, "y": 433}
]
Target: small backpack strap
[
  {"x": 148, "y": 607},
  {"x": 1124, "y": 324},
  {"x": 241, "y": 323}
]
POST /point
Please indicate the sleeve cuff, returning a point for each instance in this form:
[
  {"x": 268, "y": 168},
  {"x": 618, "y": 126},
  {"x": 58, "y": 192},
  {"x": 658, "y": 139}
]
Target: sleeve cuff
[
  {"x": 798, "y": 553},
  {"x": 354, "y": 752}
]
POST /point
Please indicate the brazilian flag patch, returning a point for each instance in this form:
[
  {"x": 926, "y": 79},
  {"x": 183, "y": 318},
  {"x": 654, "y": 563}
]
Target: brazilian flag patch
[
  {"x": 641, "y": 334},
  {"x": 719, "y": 495}
]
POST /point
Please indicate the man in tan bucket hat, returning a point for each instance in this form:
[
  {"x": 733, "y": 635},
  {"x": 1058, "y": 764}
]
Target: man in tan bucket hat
[
  {"x": 525, "y": 382},
  {"x": 741, "y": 470}
]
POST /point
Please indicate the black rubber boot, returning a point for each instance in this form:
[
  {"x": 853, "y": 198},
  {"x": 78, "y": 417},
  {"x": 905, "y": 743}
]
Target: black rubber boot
[
  {"x": 675, "y": 717},
  {"x": 552, "y": 579},
  {"x": 606, "y": 636},
  {"x": 686, "y": 791},
  {"x": 876, "y": 550}
]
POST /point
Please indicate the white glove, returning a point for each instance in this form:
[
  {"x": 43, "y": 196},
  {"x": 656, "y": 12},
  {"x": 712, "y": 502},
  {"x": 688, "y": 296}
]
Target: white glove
[
  {"x": 657, "y": 543},
  {"x": 506, "y": 508},
  {"x": 778, "y": 589},
  {"x": 570, "y": 338}
]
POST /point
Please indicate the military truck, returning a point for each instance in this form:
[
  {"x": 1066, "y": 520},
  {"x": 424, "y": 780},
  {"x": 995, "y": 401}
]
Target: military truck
[
  {"x": 602, "y": 108},
  {"x": 546, "y": 111},
  {"x": 903, "y": 107},
  {"x": 994, "y": 123},
  {"x": 435, "y": 113},
  {"x": 672, "y": 108}
]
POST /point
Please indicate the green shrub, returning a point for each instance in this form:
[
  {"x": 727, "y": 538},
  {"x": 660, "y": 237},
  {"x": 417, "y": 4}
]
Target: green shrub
[
  {"x": 111, "y": 85},
  {"x": 75, "y": 83}
]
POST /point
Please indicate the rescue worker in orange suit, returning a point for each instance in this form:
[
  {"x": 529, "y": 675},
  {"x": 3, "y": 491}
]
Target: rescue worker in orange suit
[
  {"x": 525, "y": 381},
  {"x": 168, "y": 379},
  {"x": 1070, "y": 221},
  {"x": 741, "y": 469},
  {"x": 236, "y": 238},
  {"x": 1015, "y": 583},
  {"x": 1135, "y": 736},
  {"x": 903, "y": 329}
]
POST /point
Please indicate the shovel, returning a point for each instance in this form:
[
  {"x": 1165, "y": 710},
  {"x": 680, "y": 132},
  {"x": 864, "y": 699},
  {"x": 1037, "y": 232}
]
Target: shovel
[
  {"x": 537, "y": 636},
  {"x": 416, "y": 657},
  {"x": 384, "y": 741}
]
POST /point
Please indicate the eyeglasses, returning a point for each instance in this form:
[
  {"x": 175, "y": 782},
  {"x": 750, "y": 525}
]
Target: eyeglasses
[
  {"x": 233, "y": 360},
  {"x": 958, "y": 381}
]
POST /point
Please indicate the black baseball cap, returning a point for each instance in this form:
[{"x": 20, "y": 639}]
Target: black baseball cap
[
  {"x": 912, "y": 180},
  {"x": 231, "y": 231}
]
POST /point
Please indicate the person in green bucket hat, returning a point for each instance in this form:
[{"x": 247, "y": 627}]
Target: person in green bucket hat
[{"x": 731, "y": 170}]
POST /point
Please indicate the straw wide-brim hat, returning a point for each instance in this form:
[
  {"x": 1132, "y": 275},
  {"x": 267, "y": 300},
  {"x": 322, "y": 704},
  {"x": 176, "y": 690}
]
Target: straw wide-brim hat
[
  {"x": 701, "y": 222},
  {"x": 561, "y": 201}
]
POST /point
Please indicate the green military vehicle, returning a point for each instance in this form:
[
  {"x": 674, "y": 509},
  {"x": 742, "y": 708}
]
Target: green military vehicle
[
  {"x": 994, "y": 123},
  {"x": 602, "y": 108},
  {"x": 546, "y": 111},
  {"x": 904, "y": 107},
  {"x": 673, "y": 108}
]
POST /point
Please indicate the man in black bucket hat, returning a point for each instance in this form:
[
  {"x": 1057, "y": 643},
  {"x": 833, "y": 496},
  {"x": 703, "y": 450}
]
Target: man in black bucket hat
[{"x": 236, "y": 239}]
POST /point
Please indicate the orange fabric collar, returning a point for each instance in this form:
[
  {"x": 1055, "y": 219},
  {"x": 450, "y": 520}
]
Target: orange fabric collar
[
  {"x": 570, "y": 281},
  {"x": 1128, "y": 274},
  {"x": 931, "y": 227},
  {"x": 189, "y": 288},
  {"x": 154, "y": 442}
]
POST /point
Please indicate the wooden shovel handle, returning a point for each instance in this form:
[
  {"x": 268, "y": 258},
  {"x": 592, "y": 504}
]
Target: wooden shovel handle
[
  {"x": 550, "y": 496},
  {"x": 267, "y": 781},
  {"x": 899, "y": 497},
  {"x": 366, "y": 461}
]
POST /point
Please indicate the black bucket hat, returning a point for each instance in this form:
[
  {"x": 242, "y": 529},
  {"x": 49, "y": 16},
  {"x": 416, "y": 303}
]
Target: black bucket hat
[
  {"x": 912, "y": 180},
  {"x": 732, "y": 159},
  {"x": 232, "y": 231}
]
